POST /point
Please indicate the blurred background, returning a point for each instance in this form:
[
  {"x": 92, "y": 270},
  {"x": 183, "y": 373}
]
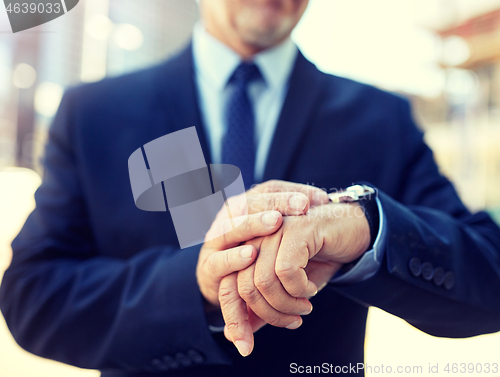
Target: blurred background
[{"x": 444, "y": 55}]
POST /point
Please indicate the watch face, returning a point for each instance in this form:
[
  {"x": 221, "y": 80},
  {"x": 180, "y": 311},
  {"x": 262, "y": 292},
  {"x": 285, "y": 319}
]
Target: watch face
[
  {"x": 352, "y": 194},
  {"x": 343, "y": 197}
]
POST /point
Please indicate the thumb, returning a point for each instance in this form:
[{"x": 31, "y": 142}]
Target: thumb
[{"x": 320, "y": 273}]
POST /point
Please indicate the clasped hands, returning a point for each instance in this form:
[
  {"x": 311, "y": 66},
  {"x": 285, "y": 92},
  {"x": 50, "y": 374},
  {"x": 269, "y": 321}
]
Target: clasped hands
[{"x": 265, "y": 270}]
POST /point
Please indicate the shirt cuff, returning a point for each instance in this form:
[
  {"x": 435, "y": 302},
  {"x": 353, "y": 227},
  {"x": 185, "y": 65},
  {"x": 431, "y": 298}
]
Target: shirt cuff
[
  {"x": 215, "y": 321},
  {"x": 370, "y": 262}
]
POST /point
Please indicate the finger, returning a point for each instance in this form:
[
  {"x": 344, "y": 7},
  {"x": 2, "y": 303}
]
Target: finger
[
  {"x": 295, "y": 281},
  {"x": 238, "y": 328},
  {"x": 293, "y": 257},
  {"x": 288, "y": 198},
  {"x": 287, "y": 203},
  {"x": 256, "y": 322},
  {"x": 225, "y": 262},
  {"x": 231, "y": 232},
  {"x": 320, "y": 273},
  {"x": 316, "y": 196},
  {"x": 251, "y": 295},
  {"x": 269, "y": 285}
]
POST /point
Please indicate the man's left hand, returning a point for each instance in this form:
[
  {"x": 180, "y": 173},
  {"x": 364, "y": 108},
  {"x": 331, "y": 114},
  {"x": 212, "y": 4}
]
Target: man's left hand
[{"x": 293, "y": 263}]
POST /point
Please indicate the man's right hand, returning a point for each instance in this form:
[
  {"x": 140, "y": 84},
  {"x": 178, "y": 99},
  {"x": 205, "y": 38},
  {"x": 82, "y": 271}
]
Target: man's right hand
[{"x": 222, "y": 252}]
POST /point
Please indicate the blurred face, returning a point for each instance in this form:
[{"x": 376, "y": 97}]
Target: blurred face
[{"x": 249, "y": 26}]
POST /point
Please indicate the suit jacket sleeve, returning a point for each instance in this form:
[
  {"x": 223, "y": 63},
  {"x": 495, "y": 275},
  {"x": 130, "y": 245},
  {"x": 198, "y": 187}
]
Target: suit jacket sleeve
[
  {"x": 65, "y": 301},
  {"x": 427, "y": 223}
]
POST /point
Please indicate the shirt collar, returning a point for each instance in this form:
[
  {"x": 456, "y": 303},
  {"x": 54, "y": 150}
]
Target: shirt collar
[
  {"x": 216, "y": 62},
  {"x": 276, "y": 63}
]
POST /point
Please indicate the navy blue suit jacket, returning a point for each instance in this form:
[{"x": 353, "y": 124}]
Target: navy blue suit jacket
[{"x": 96, "y": 282}]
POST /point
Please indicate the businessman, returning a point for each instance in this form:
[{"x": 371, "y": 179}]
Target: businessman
[{"x": 97, "y": 283}]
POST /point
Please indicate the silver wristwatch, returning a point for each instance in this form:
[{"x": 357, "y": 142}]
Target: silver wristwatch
[
  {"x": 352, "y": 194},
  {"x": 365, "y": 197}
]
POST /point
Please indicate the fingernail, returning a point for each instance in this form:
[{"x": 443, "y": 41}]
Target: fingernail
[
  {"x": 271, "y": 218},
  {"x": 243, "y": 347},
  {"x": 294, "y": 325},
  {"x": 246, "y": 252},
  {"x": 320, "y": 197},
  {"x": 297, "y": 202},
  {"x": 306, "y": 312}
]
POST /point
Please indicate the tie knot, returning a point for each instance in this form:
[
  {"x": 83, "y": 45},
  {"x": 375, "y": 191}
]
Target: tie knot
[{"x": 245, "y": 73}]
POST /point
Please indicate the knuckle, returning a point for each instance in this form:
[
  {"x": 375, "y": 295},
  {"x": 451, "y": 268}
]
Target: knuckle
[
  {"x": 286, "y": 273},
  {"x": 232, "y": 326},
  {"x": 276, "y": 320},
  {"x": 264, "y": 282},
  {"x": 226, "y": 296},
  {"x": 288, "y": 276},
  {"x": 248, "y": 293},
  {"x": 224, "y": 291}
]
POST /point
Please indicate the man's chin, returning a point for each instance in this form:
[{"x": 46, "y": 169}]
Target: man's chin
[{"x": 266, "y": 37}]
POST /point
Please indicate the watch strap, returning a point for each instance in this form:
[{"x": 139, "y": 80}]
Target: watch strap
[{"x": 370, "y": 208}]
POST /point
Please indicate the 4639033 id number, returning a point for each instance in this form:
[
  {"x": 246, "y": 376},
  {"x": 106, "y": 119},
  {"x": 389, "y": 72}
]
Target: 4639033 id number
[
  {"x": 34, "y": 8},
  {"x": 469, "y": 368}
]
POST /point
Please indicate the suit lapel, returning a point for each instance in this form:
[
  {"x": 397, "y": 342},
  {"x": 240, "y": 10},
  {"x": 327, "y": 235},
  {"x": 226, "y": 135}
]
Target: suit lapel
[
  {"x": 303, "y": 94},
  {"x": 179, "y": 98}
]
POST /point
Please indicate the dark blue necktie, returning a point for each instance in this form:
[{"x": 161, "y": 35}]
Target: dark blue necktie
[{"x": 238, "y": 144}]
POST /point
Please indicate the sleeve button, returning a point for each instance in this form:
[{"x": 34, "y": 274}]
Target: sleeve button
[
  {"x": 183, "y": 359},
  {"x": 427, "y": 271},
  {"x": 439, "y": 276},
  {"x": 195, "y": 356},
  {"x": 158, "y": 364},
  {"x": 415, "y": 267},
  {"x": 171, "y": 362},
  {"x": 449, "y": 280}
]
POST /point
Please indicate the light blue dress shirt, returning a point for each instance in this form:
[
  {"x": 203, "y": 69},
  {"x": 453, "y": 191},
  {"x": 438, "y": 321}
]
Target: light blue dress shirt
[{"x": 214, "y": 63}]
